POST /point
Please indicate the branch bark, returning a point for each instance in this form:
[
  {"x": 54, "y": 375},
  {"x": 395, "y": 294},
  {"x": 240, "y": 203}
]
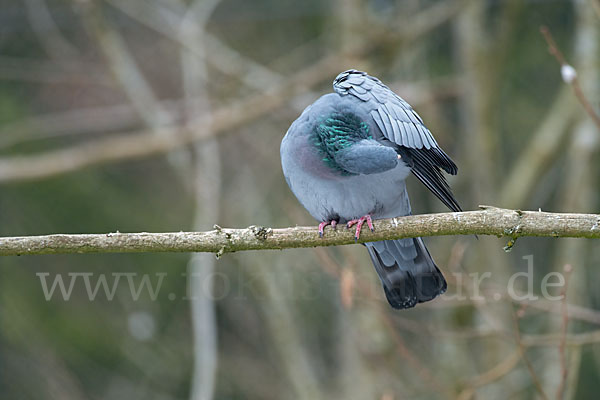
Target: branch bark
[{"x": 488, "y": 221}]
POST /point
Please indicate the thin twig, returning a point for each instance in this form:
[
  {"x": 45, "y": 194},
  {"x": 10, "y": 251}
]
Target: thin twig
[
  {"x": 522, "y": 351},
  {"x": 332, "y": 268},
  {"x": 576, "y": 312},
  {"x": 596, "y": 6},
  {"x": 571, "y": 340},
  {"x": 420, "y": 368},
  {"x": 48, "y": 33},
  {"x": 563, "y": 341},
  {"x": 573, "y": 81},
  {"x": 574, "y": 367},
  {"x": 163, "y": 140},
  {"x": 495, "y": 373},
  {"x": 131, "y": 146},
  {"x": 126, "y": 70}
]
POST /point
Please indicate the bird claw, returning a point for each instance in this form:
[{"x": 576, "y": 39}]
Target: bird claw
[
  {"x": 323, "y": 224},
  {"x": 359, "y": 223}
]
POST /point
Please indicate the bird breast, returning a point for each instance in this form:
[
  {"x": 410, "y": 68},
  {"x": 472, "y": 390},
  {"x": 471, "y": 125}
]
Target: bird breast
[{"x": 328, "y": 194}]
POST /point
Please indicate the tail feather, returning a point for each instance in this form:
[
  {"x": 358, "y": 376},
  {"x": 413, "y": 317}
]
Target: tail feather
[{"x": 407, "y": 271}]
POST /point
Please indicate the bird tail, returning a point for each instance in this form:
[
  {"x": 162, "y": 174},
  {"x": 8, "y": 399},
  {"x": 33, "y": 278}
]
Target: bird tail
[{"x": 407, "y": 271}]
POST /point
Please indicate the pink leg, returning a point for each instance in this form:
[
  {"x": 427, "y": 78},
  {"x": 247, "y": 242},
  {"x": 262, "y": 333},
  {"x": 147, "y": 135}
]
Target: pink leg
[
  {"x": 323, "y": 224},
  {"x": 359, "y": 223}
]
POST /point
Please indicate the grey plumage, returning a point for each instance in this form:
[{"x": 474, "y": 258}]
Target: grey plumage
[{"x": 348, "y": 155}]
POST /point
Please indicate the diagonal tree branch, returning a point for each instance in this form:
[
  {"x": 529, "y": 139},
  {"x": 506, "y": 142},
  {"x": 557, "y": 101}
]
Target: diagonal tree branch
[
  {"x": 162, "y": 140},
  {"x": 142, "y": 144},
  {"x": 488, "y": 221}
]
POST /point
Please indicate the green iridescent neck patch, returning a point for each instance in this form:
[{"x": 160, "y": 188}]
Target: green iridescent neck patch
[{"x": 338, "y": 131}]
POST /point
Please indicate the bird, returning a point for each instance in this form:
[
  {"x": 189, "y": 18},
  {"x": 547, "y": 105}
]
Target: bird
[{"x": 347, "y": 157}]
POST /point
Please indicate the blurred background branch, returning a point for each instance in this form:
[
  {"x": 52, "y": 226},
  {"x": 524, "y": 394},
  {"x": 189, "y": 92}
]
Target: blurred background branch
[{"x": 207, "y": 189}]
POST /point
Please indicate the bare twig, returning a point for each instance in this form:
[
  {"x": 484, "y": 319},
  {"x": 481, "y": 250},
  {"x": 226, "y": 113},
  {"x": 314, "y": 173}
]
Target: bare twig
[
  {"x": 572, "y": 340},
  {"x": 420, "y": 368},
  {"x": 430, "y": 18},
  {"x": 80, "y": 122},
  {"x": 145, "y": 144},
  {"x": 48, "y": 33},
  {"x": 166, "y": 20},
  {"x": 522, "y": 351},
  {"x": 76, "y": 72},
  {"x": 108, "y": 120},
  {"x": 563, "y": 342},
  {"x": 574, "y": 311},
  {"x": 495, "y": 373},
  {"x": 574, "y": 367},
  {"x": 572, "y": 77},
  {"x": 596, "y": 6},
  {"x": 126, "y": 70},
  {"x": 552, "y": 48},
  {"x": 332, "y": 268},
  {"x": 489, "y": 221}
]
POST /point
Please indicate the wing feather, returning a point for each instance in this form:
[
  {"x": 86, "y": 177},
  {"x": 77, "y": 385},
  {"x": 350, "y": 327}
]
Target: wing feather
[
  {"x": 424, "y": 136},
  {"x": 405, "y": 133},
  {"x": 397, "y": 133},
  {"x": 385, "y": 117},
  {"x": 413, "y": 135},
  {"x": 377, "y": 117}
]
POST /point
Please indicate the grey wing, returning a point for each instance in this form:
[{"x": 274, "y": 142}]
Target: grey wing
[{"x": 401, "y": 125}]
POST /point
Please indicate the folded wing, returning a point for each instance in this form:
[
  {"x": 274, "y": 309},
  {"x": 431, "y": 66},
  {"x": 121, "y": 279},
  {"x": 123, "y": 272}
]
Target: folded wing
[{"x": 401, "y": 125}]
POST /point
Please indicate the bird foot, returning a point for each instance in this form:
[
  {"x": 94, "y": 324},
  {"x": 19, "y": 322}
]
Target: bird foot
[
  {"x": 359, "y": 223},
  {"x": 323, "y": 224}
]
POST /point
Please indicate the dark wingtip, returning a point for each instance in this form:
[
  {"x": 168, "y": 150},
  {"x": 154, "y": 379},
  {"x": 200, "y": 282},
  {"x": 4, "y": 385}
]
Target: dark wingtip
[
  {"x": 445, "y": 162},
  {"x": 427, "y": 166}
]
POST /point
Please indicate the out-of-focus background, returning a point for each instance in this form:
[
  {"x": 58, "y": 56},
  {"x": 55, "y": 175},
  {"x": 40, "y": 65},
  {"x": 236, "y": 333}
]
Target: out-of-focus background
[{"x": 167, "y": 115}]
